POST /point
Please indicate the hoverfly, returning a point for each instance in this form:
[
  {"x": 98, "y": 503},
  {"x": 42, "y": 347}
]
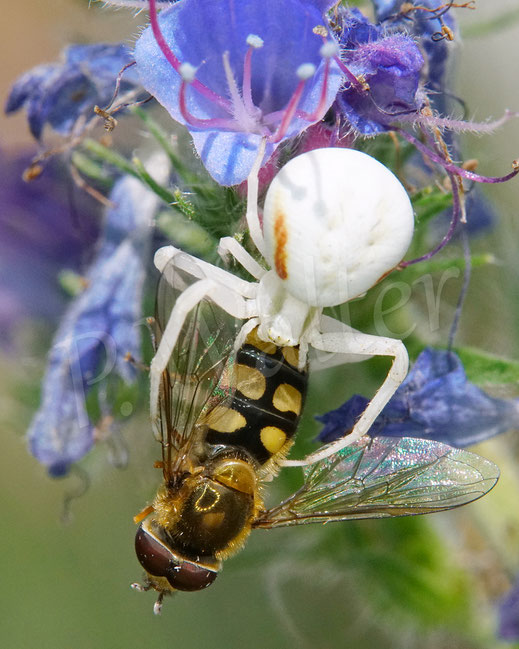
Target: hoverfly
[{"x": 227, "y": 418}]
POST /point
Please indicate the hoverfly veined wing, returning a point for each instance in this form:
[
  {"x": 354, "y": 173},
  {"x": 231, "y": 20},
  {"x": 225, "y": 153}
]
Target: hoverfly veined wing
[
  {"x": 383, "y": 476},
  {"x": 199, "y": 358}
]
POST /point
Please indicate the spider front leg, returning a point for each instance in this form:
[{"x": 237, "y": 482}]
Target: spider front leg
[
  {"x": 229, "y": 246},
  {"x": 360, "y": 345},
  {"x": 221, "y": 287}
]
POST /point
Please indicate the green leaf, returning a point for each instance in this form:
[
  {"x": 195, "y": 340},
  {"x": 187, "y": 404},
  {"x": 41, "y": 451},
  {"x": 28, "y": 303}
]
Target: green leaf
[
  {"x": 429, "y": 202},
  {"x": 186, "y": 234},
  {"x": 165, "y": 142},
  {"x": 505, "y": 20},
  {"x": 483, "y": 368},
  {"x": 161, "y": 192},
  {"x": 91, "y": 169},
  {"x": 105, "y": 154},
  {"x": 434, "y": 265}
]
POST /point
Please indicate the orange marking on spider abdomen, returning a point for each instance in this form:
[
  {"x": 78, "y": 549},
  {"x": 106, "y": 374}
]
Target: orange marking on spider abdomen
[{"x": 280, "y": 241}]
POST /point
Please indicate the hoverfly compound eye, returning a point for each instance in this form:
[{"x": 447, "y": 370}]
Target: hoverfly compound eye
[
  {"x": 189, "y": 576},
  {"x": 153, "y": 556},
  {"x": 335, "y": 222},
  {"x": 159, "y": 561}
]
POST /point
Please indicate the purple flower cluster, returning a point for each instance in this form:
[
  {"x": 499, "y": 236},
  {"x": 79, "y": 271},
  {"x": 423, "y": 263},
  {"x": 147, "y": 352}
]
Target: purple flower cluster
[
  {"x": 62, "y": 94},
  {"x": 389, "y": 67},
  {"x": 98, "y": 331},
  {"x": 235, "y": 73}
]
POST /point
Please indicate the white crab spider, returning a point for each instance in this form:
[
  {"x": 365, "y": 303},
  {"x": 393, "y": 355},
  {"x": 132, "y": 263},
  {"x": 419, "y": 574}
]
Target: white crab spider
[{"x": 335, "y": 221}]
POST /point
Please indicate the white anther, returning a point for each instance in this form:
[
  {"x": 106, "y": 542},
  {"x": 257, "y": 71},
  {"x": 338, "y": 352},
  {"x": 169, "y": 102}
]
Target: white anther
[
  {"x": 187, "y": 72},
  {"x": 329, "y": 50},
  {"x": 305, "y": 71},
  {"x": 254, "y": 41}
]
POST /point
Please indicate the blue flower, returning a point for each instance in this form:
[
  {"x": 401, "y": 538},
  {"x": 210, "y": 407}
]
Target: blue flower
[
  {"x": 98, "y": 331},
  {"x": 39, "y": 235},
  {"x": 390, "y": 66},
  {"x": 238, "y": 72},
  {"x": 59, "y": 94},
  {"x": 426, "y": 25},
  {"x": 509, "y": 615},
  {"x": 436, "y": 401}
]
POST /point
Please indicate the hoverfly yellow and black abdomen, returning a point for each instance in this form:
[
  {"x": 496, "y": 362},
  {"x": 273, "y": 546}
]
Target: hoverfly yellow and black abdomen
[{"x": 263, "y": 415}]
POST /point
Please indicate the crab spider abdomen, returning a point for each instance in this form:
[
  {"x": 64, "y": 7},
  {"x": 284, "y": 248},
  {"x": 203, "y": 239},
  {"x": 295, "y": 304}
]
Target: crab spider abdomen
[{"x": 335, "y": 222}]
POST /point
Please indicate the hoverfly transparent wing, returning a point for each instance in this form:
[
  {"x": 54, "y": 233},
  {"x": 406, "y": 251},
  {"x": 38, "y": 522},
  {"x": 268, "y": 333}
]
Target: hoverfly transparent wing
[
  {"x": 383, "y": 476},
  {"x": 200, "y": 358}
]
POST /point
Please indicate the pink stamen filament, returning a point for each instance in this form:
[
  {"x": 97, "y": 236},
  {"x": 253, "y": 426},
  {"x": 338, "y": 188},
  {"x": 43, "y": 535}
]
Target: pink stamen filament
[
  {"x": 456, "y": 211},
  {"x": 318, "y": 113},
  {"x": 452, "y": 168},
  {"x": 348, "y": 74},
  {"x": 201, "y": 123},
  {"x": 289, "y": 112},
  {"x": 175, "y": 63}
]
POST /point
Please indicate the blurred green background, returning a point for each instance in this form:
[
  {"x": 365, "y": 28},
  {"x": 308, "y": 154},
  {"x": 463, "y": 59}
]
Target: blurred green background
[{"x": 409, "y": 583}]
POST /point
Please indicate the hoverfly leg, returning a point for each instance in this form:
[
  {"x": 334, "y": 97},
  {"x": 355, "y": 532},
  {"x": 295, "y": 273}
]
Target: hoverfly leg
[{"x": 157, "y": 607}]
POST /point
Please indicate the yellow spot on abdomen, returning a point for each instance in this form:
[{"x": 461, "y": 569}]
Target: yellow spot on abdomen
[
  {"x": 287, "y": 398},
  {"x": 272, "y": 438},
  {"x": 254, "y": 340},
  {"x": 250, "y": 381},
  {"x": 291, "y": 355},
  {"x": 225, "y": 420}
]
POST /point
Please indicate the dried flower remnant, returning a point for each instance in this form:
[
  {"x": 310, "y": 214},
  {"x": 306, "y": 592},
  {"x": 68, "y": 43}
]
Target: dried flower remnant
[
  {"x": 437, "y": 402},
  {"x": 97, "y": 332},
  {"x": 60, "y": 94},
  {"x": 237, "y": 73}
]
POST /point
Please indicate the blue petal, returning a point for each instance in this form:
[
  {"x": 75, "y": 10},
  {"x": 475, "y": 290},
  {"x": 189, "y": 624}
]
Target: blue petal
[
  {"x": 437, "y": 402},
  {"x": 36, "y": 224},
  {"x": 60, "y": 434},
  {"x": 392, "y": 67},
  {"x": 98, "y": 330},
  {"x": 338, "y": 422},
  {"x": 357, "y": 29},
  {"x": 58, "y": 94},
  {"x": 24, "y": 86},
  {"x": 422, "y": 25},
  {"x": 228, "y": 156},
  {"x": 199, "y": 32},
  {"x": 321, "y": 5}
]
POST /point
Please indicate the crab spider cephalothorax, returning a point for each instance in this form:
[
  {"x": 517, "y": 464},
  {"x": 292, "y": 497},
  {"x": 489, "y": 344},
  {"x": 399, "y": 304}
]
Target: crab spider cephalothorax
[{"x": 335, "y": 221}]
